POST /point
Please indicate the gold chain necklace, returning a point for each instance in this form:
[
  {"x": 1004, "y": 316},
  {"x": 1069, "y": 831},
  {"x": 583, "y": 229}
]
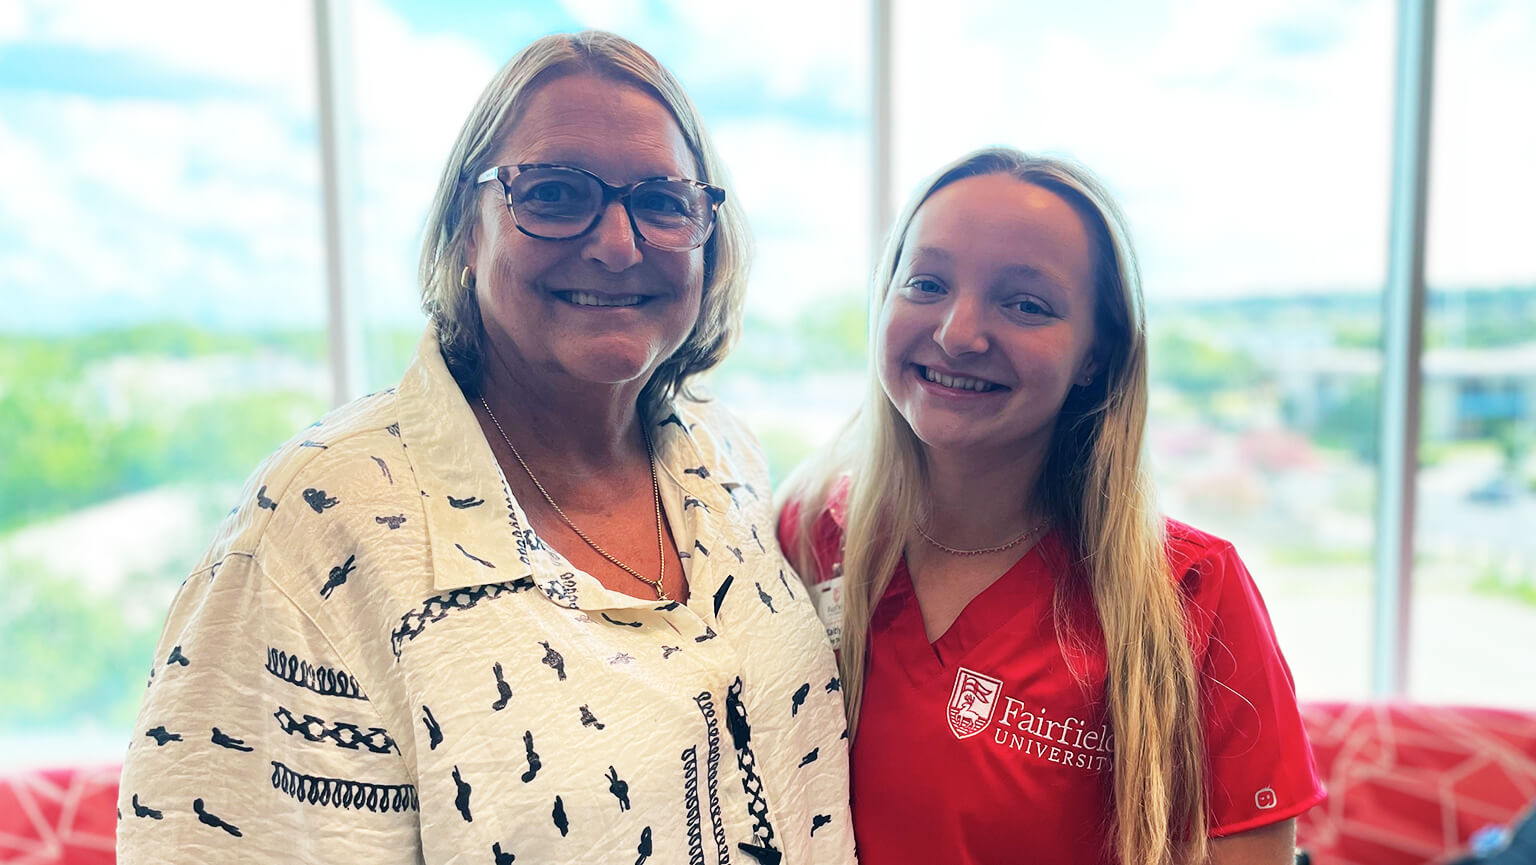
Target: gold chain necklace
[
  {"x": 984, "y": 550},
  {"x": 661, "y": 550}
]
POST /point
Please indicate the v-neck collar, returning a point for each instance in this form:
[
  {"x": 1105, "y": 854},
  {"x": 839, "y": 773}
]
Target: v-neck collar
[{"x": 1025, "y": 589}]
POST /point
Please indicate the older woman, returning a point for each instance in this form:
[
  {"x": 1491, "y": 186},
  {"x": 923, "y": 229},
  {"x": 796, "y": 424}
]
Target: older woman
[
  {"x": 528, "y": 604},
  {"x": 1024, "y": 637}
]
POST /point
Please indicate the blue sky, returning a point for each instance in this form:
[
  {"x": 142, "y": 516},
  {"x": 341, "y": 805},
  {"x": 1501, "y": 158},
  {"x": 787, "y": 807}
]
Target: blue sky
[{"x": 160, "y": 159}]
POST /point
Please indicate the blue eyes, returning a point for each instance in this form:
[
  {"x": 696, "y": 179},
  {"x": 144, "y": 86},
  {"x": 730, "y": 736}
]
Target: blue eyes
[{"x": 922, "y": 288}]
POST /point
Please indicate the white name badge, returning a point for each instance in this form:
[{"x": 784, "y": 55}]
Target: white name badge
[{"x": 827, "y": 597}]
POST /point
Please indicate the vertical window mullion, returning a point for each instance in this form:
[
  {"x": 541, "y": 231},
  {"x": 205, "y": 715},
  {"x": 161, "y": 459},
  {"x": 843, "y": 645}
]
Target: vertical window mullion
[
  {"x": 1402, "y": 349},
  {"x": 344, "y": 325},
  {"x": 880, "y": 116}
]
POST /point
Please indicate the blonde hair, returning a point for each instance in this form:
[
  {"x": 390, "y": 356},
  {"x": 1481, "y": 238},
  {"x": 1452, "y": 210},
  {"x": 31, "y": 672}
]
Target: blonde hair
[
  {"x": 1094, "y": 487},
  {"x": 444, "y": 252}
]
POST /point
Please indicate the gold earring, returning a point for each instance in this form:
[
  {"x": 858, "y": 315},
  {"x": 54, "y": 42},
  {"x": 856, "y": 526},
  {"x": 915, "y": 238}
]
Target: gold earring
[{"x": 466, "y": 278}]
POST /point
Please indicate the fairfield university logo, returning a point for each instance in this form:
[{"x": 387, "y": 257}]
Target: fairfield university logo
[
  {"x": 1029, "y": 728},
  {"x": 972, "y": 702}
]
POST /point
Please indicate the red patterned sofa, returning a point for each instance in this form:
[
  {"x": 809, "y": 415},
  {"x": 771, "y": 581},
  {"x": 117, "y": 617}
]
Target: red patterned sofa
[
  {"x": 59, "y": 816},
  {"x": 1408, "y": 784}
]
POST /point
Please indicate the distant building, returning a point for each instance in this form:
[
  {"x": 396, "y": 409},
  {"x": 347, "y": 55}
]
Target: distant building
[{"x": 1468, "y": 392}]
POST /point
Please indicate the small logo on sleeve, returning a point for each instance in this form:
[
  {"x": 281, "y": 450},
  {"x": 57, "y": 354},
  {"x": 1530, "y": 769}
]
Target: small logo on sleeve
[
  {"x": 1265, "y": 798},
  {"x": 972, "y": 702}
]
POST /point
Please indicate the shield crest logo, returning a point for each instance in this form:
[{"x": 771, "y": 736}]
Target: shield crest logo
[{"x": 972, "y": 702}]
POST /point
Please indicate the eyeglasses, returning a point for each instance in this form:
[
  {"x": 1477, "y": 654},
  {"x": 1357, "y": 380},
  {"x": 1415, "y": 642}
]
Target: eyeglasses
[{"x": 562, "y": 202}]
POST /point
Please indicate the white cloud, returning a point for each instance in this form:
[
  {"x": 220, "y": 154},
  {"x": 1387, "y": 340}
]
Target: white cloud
[
  {"x": 1482, "y": 174},
  {"x": 268, "y": 46},
  {"x": 13, "y": 21}
]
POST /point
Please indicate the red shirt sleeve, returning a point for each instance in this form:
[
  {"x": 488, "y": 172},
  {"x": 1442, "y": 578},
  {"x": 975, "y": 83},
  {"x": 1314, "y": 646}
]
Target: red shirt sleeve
[
  {"x": 826, "y": 533},
  {"x": 1261, "y": 769}
]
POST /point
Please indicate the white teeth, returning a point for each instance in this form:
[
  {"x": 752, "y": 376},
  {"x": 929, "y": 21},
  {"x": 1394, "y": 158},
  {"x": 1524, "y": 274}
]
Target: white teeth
[
  {"x": 587, "y": 298},
  {"x": 956, "y": 381}
]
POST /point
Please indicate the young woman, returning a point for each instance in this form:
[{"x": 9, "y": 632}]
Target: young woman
[{"x": 1038, "y": 666}]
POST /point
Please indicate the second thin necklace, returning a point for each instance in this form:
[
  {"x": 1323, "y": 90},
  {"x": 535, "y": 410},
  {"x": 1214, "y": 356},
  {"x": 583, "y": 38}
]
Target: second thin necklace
[{"x": 661, "y": 549}]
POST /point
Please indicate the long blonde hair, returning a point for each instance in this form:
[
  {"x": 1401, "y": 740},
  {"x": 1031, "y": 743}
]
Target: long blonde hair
[
  {"x": 1094, "y": 487},
  {"x": 452, "y": 305}
]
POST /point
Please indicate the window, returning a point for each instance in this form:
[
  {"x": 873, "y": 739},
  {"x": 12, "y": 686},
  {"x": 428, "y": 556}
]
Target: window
[
  {"x": 1475, "y": 560},
  {"x": 163, "y": 267},
  {"x": 159, "y": 257}
]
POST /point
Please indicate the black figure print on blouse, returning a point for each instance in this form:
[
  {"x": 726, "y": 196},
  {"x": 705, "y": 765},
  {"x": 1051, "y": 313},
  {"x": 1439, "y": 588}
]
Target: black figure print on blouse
[
  {"x": 834, "y": 684},
  {"x": 338, "y": 576},
  {"x": 797, "y": 699},
  {"x": 709, "y": 634},
  {"x": 384, "y": 467},
  {"x": 759, "y": 542},
  {"x": 645, "y": 846},
  {"x": 669, "y": 651},
  {"x": 393, "y": 429},
  {"x": 439, "y": 607},
  {"x": 735, "y": 552},
  {"x": 340, "y": 733},
  {"x": 693, "y": 824},
  {"x": 145, "y": 810},
  {"x": 394, "y": 521},
  {"x": 766, "y": 598},
  {"x": 321, "y": 680},
  {"x": 434, "y": 731},
  {"x": 503, "y": 690},
  {"x": 818, "y": 821},
  {"x": 706, "y": 703},
  {"x": 701, "y": 471},
  {"x": 466, "y": 502},
  {"x": 619, "y": 788},
  {"x": 720, "y": 593},
  {"x": 741, "y": 738},
  {"x": 534, "y": 765},
  {"x": 785, "y": 581},
  {"x": 318, "y": 500},
  {"x": 690, "y": 502},
  {"x": 311, "y": 443},
  {"x": 162, "y": 735},
  {"x": 810, "y": 758},
  {"x": 731, "y": 487},
  {"x": 621, "y": 658},
  {"x": 461, "y": 799},
  {"x": 701, "y": 548},
  {"x": 620, "y": 622},
  {"x": 673, "y": 418},
  {"x": 588, "y": 719},
  {"x": 176, "y": 657},
  {"x": 342, "y": 793},
  {"x": 213, "y": 820},
  {"x": 474, "y": 558},
  {"x": 553, "y": 660},
  {"x": 262, "y": 502},
  {"x": 230, "y": 742},
  {"x": 562, "y": 822},
  {"x": 667, "y": 607},
  {"x": 502, "y": 857}
]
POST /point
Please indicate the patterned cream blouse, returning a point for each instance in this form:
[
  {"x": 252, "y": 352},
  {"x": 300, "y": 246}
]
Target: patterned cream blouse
[{"x": 378, "y": 661}]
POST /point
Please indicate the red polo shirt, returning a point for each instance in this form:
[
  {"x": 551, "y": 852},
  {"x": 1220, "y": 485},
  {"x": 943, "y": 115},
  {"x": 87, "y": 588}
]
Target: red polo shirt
[{"x": 982, "y": 747}]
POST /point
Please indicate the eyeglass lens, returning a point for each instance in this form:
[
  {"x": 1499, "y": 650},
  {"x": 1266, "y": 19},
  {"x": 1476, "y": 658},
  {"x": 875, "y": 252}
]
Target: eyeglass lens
[{"x": 558, "y": 203}]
